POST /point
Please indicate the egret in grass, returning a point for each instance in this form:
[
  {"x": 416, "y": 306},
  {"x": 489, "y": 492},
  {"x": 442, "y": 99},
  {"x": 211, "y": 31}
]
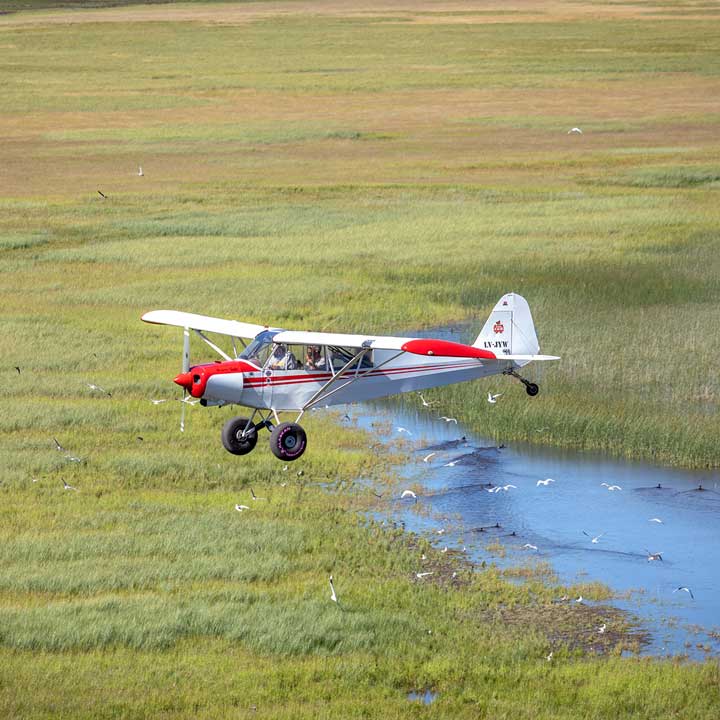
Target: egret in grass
[
  {"x": 421, "y": 575},
  {"x": 544, "y": 482},
  {"x": 140, "y": 171},
  {"x": 240, "y": 508},
  {"x": 333, "y": 595},
  {"x": 601, "y": 629}
]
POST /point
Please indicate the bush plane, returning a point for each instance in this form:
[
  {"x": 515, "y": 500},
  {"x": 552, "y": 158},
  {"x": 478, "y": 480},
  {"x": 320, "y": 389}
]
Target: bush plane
[{"x": 295, "y": 371}]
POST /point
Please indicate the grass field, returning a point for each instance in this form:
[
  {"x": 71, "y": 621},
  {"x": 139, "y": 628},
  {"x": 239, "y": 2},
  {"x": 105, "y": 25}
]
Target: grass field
[{"x": 365, "y": 168}]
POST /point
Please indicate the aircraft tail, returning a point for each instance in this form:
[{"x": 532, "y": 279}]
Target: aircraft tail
[{"x": 510, "y": 329}]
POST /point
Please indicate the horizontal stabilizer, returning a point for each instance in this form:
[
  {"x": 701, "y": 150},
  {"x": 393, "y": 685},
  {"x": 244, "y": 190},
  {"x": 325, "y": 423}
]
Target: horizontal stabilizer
[
  {"x": 203, "y": 322},
  {"x": 528, "y": 358}
]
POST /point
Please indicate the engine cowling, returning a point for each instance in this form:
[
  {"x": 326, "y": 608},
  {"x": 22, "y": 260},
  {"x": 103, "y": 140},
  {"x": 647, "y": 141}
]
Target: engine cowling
[{"x": 221, "y": 380}]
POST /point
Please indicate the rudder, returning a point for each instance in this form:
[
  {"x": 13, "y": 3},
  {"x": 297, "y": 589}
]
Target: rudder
[{"x": 510, "y": 329}]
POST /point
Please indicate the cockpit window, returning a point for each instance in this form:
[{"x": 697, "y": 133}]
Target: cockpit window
[{"x": 259, "y": 349}]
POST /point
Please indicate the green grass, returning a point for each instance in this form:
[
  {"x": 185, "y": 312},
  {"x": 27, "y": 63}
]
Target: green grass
[{"x": 298, "y": 174}]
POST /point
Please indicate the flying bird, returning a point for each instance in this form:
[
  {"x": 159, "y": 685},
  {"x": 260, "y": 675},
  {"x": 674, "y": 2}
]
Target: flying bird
[
  {"x": 452, "y": 463},
  {"x": 529, "y": 546},
  {"x": 254, "y": 496},
  {"x": 655, "y": 520},
  {"x": 159, "y": 401},
  {"x": 448, "y": 419},
  {"x": 427, "y": 457},
  {"x": 68, "y": 487},
  {"x": 574, "y": 131},
  {"x": 611, "y": 487},
  {"x": 601, "y": 629},
  {"x": 58, "y": 446},
  {"x": 653, "y": 556},
  {"x": 403, "y": 430},
  {"x": 93, "y": 386},
  {"x": 407, "y": 494},
  {"x": 544, "y": 482},
  {"x": 493, "y": 398},
  {"x": 550, "y": 656},
  {"x": 333, "y": 596},
  {"x": 421, "y": 575},
  {"x": 240, "y": 508},
  {"x": 425, "y": 403},
  {"x": 685, "y": 589},
  {"x": 595, "y": 539},
  {"x": 102, "y": 195},
  {"x": 140, "y": 171},
  {"x": 18, "y": 369}
]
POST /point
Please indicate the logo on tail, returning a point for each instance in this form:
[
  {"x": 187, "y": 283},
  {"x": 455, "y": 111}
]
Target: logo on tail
[{"x": 498, "y": 327}]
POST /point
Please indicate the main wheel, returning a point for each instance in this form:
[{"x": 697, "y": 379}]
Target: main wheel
[
  {"x": 532, "y": 389},
  {"x": 288, "y": 441},
  {"x": 236, "y": 439}
]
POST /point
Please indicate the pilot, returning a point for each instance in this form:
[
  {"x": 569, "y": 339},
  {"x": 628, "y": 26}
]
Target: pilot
[
  {"x": 282, "y": 358},
  {"x": 314, "y": 358}
]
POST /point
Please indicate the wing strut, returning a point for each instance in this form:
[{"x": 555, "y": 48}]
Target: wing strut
[{"x": 322, "y": 395}]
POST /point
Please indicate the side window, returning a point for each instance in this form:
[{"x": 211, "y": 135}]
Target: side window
[
  {"x": 340, "y": 356},
  {"x": 315, "y": 358}
]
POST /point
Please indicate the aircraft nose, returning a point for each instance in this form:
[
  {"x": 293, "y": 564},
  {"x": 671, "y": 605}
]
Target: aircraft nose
[{"x": 184, "y": 380}]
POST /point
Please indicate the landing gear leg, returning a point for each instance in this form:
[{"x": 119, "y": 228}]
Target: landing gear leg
[{"x": 531, "y": 388}]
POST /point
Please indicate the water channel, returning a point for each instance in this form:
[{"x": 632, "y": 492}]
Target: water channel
[{"x": 656, "y": 510}]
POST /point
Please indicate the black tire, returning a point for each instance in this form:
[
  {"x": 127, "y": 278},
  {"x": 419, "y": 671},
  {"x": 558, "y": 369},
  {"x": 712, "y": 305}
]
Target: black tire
[
  {"x": 236, "y": 439},
  {"x": 288, "y": 441},
  {"x": 532, "y": 389}
]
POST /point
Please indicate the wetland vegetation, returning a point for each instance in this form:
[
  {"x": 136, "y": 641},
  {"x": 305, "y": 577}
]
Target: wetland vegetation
[{"x": 297, "y": 172}]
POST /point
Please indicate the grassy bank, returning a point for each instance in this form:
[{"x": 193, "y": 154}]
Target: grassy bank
[{"x": 296, "y": 172}]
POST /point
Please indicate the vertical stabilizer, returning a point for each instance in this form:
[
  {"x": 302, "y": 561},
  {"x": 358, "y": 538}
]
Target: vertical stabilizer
[{"x": 509, "y": 330}]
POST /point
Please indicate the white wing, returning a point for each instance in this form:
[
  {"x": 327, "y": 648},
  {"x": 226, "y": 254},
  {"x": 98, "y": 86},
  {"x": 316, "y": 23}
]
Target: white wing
[{"x": 203, "y": 322}]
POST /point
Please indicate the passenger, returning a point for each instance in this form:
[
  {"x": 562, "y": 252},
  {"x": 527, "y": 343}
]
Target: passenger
[
  {"x": 314, "y": 358},
  {"x": 282, "y": 359}
]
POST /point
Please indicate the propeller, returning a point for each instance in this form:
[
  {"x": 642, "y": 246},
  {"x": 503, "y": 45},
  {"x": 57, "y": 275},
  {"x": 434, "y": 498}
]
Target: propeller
[{"x": 185, "y": 368}]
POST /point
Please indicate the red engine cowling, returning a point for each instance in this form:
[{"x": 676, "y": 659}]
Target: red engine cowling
[{"x": 195, "y": 380}]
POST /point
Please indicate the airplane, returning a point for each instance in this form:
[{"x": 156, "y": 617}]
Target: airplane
[{"x": 296, "y": 371}]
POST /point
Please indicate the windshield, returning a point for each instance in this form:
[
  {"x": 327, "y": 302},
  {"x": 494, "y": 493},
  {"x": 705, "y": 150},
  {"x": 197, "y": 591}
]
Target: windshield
[{"x": 258, "y": 350}]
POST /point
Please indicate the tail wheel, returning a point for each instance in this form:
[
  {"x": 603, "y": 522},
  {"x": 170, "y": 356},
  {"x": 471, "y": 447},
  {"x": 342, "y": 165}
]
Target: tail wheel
[
  {"x": 237, "y": 437},
  {"x": 288, "y": 441},
  {"x": 532, "y": 389}
]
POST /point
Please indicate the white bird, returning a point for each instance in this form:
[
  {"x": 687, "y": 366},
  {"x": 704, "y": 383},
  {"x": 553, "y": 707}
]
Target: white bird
[
  {"x": 93, "y": 386},
  {"x": 493, "y": 398},
  {"x": 601, "y": 629},
  {"x": 574, "y": 131},
  {"x": 529, "y": 546},
  {"x": 240, "y": 508},
  {"x": 254, "y": 496},
  {"x": 58, "y": 446},
  {"x": 595, "y": 540},
  {"x": 505, "y": 488},
  {"x": 611, "y": 487},
  {"x": 655, "y": 520},
  {"x": 653, "y": 556},
  {"x": 140, "y": 171},
  {"x": 579, "y": 599},
  {"x": 452, "y": 463},
  {"x": 685, "y": 589},
  {"x": 421, "y": 575},
  {"x": 333, "y": 596},
  {"x": 74, "y": 459},
  {"x": 68, "y": 487},
  {"x": 444, "y": 550},
  {"x": 544, "y": 482},
  {"x": 158, "y": 402},
  {"x": 440, "y": 531},
  {"x": 427, "y": 457},
  {"x": 403, "y": 430},
  {"x": 407, "y": 494},
  {"x": 550, "y": 656},
  {"x": 448, "y": 419},
  {"x": 189, "y": 400},
  {"x": 425, "y": 403}
]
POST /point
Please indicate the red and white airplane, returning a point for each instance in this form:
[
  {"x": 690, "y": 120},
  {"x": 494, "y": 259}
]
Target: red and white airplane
[{"x": 287, "y": 370}]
